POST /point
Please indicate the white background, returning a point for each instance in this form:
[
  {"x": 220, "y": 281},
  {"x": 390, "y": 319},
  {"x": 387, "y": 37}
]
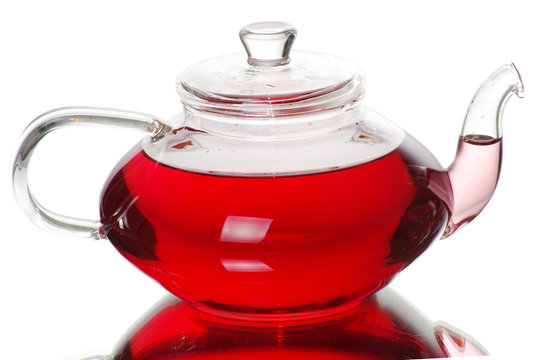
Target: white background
[{"x": 495, "y": 279}]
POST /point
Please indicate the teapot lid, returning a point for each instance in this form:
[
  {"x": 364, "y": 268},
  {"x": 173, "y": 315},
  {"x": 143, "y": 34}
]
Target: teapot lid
[{"x": 273, "y": 82}]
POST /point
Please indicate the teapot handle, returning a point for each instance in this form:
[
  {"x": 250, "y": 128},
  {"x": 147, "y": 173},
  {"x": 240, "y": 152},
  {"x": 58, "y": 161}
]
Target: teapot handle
[{"x": 63, "y": 117}]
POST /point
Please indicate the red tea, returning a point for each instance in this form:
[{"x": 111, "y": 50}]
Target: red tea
[
  {"x": 378, "y": 328},
  {"x": 277, "y": 244}
]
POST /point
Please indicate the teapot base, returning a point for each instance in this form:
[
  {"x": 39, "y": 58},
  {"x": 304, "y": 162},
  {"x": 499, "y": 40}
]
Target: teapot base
[
  {"x": 381, "y": 326},
  {"x": 293, "y": 314}
]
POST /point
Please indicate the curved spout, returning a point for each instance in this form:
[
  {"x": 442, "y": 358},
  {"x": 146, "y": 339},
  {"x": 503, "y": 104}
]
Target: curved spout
[
  {"x": 475, "y": 170},
  {"x": 485, "y": 113}
]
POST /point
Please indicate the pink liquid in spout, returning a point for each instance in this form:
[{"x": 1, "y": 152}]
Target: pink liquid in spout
[{"x": 474, "y": 176}]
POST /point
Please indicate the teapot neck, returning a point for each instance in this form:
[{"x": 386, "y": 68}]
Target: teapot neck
[{"x": 282, "y": 127}]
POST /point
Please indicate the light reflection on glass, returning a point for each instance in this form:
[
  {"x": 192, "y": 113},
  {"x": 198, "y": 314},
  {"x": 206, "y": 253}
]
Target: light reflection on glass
[
  {"x": 382, "y": 326},
  {"x": 243, "y": 229},
  {"x": 235, "y": 265},
  {"x": 456, "y": 343}
]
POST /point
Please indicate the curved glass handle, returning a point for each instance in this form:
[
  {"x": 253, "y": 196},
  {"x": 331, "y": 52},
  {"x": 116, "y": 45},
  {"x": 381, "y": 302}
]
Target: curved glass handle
[{"x": 55, "y": 119}]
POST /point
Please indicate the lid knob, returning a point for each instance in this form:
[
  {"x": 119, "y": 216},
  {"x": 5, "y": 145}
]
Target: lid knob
[{"x": 268, "y": 43}]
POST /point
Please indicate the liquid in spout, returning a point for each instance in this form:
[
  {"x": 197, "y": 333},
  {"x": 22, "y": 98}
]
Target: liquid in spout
[{"x": 475, "y": 170}]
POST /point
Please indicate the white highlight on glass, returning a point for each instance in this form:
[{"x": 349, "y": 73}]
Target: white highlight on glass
[
  {"x": 234, "y": 265},
  {"x": 243, "y": 229}
]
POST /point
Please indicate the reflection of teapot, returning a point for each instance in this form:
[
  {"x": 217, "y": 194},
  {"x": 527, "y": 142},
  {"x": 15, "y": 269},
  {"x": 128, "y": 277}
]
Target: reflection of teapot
[
  {"x": 276, "y": 191},
  {"x": 383, "y": 326}
]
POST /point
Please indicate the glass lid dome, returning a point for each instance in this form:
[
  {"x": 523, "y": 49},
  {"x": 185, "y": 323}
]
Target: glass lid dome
[{"x": 272, "y": 81}]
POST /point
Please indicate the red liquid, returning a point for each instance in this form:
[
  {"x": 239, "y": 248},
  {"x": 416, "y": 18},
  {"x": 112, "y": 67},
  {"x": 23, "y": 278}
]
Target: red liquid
[
  {"x": 277, "y": 244},
  {"x": 379, "y": 328}
]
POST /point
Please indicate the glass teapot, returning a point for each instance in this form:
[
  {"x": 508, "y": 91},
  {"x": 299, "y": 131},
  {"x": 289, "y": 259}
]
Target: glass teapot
[{"x": 278, "y": 193}]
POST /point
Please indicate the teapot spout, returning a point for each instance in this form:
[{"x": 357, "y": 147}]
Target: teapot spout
[
  {"x": 475, "y": 170},
  {"x": 485, "y": 113}
]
